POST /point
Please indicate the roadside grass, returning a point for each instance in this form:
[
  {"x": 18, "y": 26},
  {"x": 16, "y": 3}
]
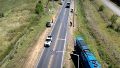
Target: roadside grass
[
  {"x": 108, "y": 13},
  {"x": 8, "y": 5},
  {"x": 107, "y": 39},
  {"x": 12, "y": 27},
  {"x": 106, "y": 10},
  {"x": 25, "y": 42},
  {"x": 19, "y": 29},
  {"x": 83, "y": 30}
]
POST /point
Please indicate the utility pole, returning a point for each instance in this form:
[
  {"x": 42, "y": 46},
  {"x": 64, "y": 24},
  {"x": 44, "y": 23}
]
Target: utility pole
[
  {"x": 74, "y": 14},
  {"x": 72, "y": 54},
  {"x": 78, "y": 59},
  {"x": 52, "y": 10}
]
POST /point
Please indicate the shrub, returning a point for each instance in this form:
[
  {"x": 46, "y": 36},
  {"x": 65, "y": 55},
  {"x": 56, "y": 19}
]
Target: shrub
[
  {"x": 91, "y": 0},
  {"x": 113, "y": 19},
  {"x": 11, "y": 57},
  {"x": 101, "y": 8},
  {"x": 118, "y": 28},
  {"x": 1, "y": 15},
  {"x": 39, "y": 8}
]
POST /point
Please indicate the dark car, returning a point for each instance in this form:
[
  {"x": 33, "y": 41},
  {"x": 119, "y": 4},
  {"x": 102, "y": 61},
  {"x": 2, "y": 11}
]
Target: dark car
[
  {"x": 68, "y": 5},
  {"x": 48, "y": 24}
]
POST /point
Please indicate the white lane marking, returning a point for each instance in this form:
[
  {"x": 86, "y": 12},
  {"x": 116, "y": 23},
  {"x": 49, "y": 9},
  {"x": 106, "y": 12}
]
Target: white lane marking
[
  {"x": 64, "y": 49},
  {"x": 61, "y": 39},
  {"x": 56, "y": 19},
  {"x": 40, "y": 55},
  {"x": 59, "y": 29},
  {"x": 57, "y": 38},
  {"x": 60, "y": 51},
  {"x": 49, "y": 65}
]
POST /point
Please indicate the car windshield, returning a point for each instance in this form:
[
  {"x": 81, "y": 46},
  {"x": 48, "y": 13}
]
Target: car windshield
[
  {"x": 49, "y": 36},
  {"x": 47, "y": 39}
]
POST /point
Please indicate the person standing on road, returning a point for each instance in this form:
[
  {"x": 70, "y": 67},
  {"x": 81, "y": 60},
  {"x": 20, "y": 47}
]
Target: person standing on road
[{"x": 70, "y": 23}]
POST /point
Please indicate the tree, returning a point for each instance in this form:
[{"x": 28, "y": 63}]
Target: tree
[
  {"x": 39, "y": 8},
  {"x": 1, "y": 15},
  {"x": 101, "y": 8},
  {"x": 113, "y": 18}
]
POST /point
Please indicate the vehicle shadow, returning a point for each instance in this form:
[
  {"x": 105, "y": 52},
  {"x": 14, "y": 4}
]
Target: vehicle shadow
[{"x": 74, "y": 56}]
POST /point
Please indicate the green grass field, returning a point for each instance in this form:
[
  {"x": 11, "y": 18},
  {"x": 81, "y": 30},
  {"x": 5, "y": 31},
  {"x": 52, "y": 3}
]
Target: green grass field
[
  {"x": 103, "y": 42},
  {"x": 6, "y": 5},
  {"x": 19, "y": 28},
  {"x": 17, "y": 14},
  {"x": 83, "y": 30}
]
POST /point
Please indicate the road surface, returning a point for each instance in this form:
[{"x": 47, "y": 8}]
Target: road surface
[
  {"x": 50, "y": 57},
  {"x": 112, "y": 6}
]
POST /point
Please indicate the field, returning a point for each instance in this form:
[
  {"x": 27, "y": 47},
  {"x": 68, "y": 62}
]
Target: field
[
  {"x": 103, "y": 42},
  {"x": 19, "y": 29}
]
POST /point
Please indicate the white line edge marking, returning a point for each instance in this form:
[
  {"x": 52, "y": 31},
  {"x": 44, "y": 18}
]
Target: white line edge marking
[
  {"x": 56, "y": 19},
  {"x": 71, "y": 53},
  {"x": 61, "y": 39},
  {"x": 59, "y": 30},
  {"x": 56, "y": 41},
  {"x": 65, "y": 43},
  {"x": 63, "y": 51}
]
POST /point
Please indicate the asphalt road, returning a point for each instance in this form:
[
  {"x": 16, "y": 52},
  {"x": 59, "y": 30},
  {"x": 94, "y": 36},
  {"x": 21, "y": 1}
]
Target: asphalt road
[
  {"x": 59, "y": 34},
  {"x": 112, "y": 6}
]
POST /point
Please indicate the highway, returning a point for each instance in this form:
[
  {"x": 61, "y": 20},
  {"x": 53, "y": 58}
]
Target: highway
[{"x": 52, "y": 57}]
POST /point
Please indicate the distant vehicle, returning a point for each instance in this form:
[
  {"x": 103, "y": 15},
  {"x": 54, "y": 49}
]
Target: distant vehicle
[
  {"x": 48, "y": 41},
  {"x": 68, "y": 5},
  {"x": 48, "y": 24},
  {"x": 88, "y": 58}
]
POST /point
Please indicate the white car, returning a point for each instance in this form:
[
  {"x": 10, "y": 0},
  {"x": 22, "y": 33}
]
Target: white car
[{"x": 48, "y": 41}]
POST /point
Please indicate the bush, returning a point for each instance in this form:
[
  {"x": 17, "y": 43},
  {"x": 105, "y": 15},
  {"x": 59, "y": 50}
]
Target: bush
[
  {"x": 101, "y": 8},
  {"x": 39, "y": 8},
  {"x": 91, "y": 0},
  {"x": 113, "y": 19},
  {"x": 1, "y": 15},
  {"x": 118, "y": 28}
]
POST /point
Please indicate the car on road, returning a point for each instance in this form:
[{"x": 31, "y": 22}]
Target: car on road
[
  {"x": 48, "y": 41},
  {"x": 68, "y": 5},
  {"x": 48, "y": 24}
]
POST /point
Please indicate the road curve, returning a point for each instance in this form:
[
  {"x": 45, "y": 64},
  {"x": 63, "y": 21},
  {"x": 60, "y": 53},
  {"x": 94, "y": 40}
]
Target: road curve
[{"x": 112, "y": 6}]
